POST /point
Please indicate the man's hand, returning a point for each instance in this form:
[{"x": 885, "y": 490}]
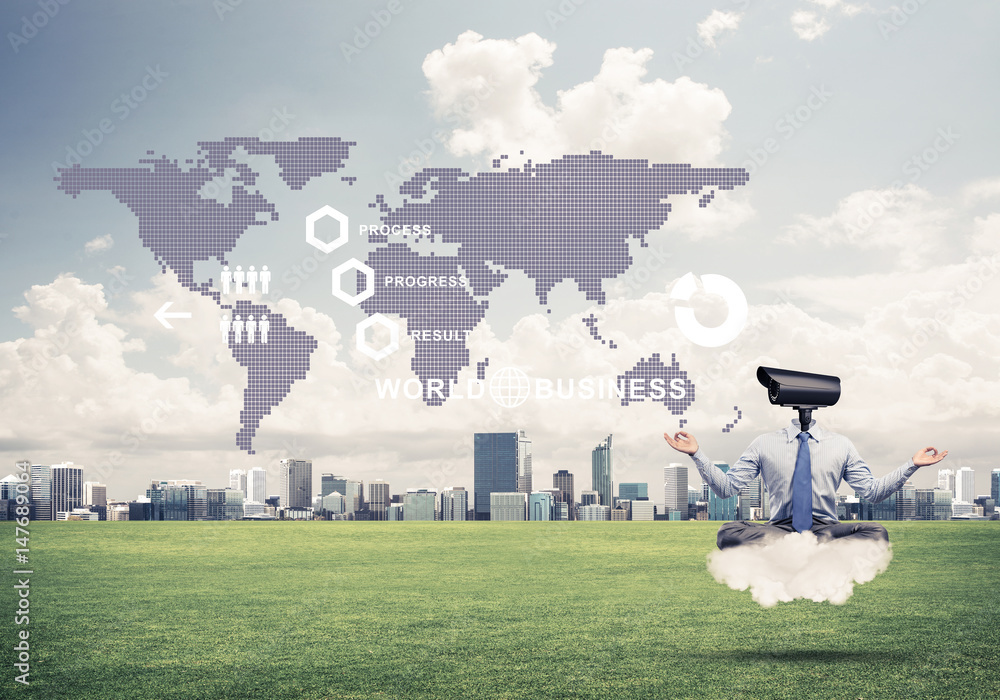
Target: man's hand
[
  {"x": 682, "y": 442},
  {"x": 928, "y": 456}
]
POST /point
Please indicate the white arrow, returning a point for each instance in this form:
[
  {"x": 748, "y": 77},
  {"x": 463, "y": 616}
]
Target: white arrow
[{"x": 162, "y": 315}]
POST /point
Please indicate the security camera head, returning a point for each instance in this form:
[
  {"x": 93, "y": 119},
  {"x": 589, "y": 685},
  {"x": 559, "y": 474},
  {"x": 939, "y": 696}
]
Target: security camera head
[{"x": 803, "y": 391}]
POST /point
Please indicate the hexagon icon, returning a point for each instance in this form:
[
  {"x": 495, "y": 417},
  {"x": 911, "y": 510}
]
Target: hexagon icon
[
  {"x": 369, "y": 289},
  {"x": 311, "y": 220},
  {"x": 393, "y": 345}
]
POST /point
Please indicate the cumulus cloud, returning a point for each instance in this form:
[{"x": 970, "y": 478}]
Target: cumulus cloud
[
  {"x": 716, "y": 24},
  {"x": 484, "y": 89},
  {"x": 908, "y": 221},
  {"x": 812, "y": 24},
  {"x": 798, "y": 566},
  {"x": 99, "y": 244}
]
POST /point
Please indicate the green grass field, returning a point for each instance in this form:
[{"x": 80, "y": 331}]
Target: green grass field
[{"x": 486, "y": 610}]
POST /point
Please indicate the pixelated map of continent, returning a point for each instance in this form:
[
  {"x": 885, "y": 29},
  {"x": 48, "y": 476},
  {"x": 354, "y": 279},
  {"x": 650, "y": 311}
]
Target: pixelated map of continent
[{"x": 569, "y": 219}]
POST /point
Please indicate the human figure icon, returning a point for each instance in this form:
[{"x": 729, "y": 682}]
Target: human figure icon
[
  {"x": 251, "y": 329},
  {"x": 264, "y": 326},
  {"x": 252, "y": 279},
  {"x": 224, "y": 327},
  {"x": 237, "y": 329},
  {"x": 265, "y": 279},
  {"x": 227, "y": 279},
  {"x": 238, "y": 279}
]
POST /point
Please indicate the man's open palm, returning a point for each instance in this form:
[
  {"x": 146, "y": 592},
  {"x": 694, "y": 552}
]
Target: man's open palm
[
  {"x": 928, "y": 456},
  {"x": 682, "y": 442}
]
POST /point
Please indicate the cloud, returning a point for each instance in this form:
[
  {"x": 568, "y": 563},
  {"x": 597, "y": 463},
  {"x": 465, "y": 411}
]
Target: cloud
[
  {"x": 485, "y": 90},
  {"x": 716, "y": 24},
  {"x": 798, "y": 566},
  {"x": 809, "y": 24},
  {"x": 908, "y": 221},
  {"x": 99, "y": 244}
]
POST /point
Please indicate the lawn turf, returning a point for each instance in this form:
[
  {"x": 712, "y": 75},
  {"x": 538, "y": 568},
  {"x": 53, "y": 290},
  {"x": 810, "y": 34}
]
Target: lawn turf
[{"x": 305, "y": 610}]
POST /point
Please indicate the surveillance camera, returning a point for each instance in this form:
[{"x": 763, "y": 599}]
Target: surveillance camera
[
  {"x": 803, "y": 391},
  {"x": 799, "y": 389}
]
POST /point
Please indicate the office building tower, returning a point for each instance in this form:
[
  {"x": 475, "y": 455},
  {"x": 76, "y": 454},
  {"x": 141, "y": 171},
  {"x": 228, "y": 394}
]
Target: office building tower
[
  {"x": 379, "y": 499},
  {"x": 540, "y": 506},
  {"x": 602, "y": 470},
  {"x": 238, "y": 480},
  {"x": 256, "y": 485},
  {"x": 594, "y": 511},
  {"x": 195, "y": 498},
  {"x": 333, "y": 503},
  {"x": 498, "y": 466},
  {"x": 454, "y": 503},
  {"x": 41, "y": 491},
  {"x": 946, "y": 480},
  {"x": 633, "y": 491},
  {"x": 174, "y": 502},
  {"x": 724, "y": 509},
  {"x": 395, "y": 511},
  {"x": 589, "y": 498},
  {"x": 419, "y": 504},
  {"x": 932, "y": 504},
  {"x": 642, "y": 510},
  {"x": 995, "y": 485},
  {"x": 675, "y": 490},
  {"x": 906, "y": 502},
  {"x": 67, "y": 487},
  {"x": 94, "y": 494},
  {"x": 563, "y": 481},
  {"x": 965, "y": 485},
  {"x": 524, "y": 482},
  {"x": 508, "y": 506},
  {"x": 295, "y": 477},
  {"x": 560, "y": 510},
  {"x": 224, "y": 504},
  {"x": 751, "y": 500}
]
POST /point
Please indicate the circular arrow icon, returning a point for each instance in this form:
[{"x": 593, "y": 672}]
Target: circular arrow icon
[{"x": 721, "y": 286}]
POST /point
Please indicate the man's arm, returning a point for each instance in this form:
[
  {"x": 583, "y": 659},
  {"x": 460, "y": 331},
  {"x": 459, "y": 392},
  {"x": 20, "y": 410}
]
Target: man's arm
[
  {"x": 724, "y": 484},
  {"x": 859, "y": 476}
]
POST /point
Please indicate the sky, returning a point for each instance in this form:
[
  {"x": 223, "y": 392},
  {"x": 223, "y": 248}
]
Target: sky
[{"x": 867, "y": 241}]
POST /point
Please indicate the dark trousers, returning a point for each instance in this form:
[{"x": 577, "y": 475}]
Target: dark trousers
[{"x": 747, "y": 532}]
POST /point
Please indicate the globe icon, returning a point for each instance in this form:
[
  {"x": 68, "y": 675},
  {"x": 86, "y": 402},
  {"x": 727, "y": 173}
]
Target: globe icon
[{"x": 510, "y": 387}]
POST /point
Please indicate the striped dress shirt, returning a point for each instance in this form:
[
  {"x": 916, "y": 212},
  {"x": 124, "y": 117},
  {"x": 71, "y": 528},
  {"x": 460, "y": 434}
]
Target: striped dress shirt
[{"x": 834, "y": 459}]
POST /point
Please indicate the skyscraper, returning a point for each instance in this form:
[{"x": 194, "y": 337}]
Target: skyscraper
[
  {"x": 523, "y": 463},
  {"x": 633, "y": 491},
  {"x": 540, "y": 506},
  {"x": 67, "y": 487},
  {"x": 296, "y": 483},
  {"x": 906, "y": 502},
  {"x": 602, "y": 469},
  {"x": 965, "y": 485},
  {"x": 722, "y": 508},
  {"x": 379, "y": 499},
  {"x": 41, "y": 491},
  {"x": 256, "y": 485},
  {"x": 752, "y": 500},
  {"x": 995, "y": 486},
  {"x": 454, "y": 503},
  {"x": 94, "y": 494},
  {"x": 675, "y": 489},
  {"x": 563, "y": 481},
  {"x": 946, "y": 480},
  {"x": 499, "y": 467},
  {"x": 238, "y": 480},
  {"x": 419, "y": 504},
  {"x": 508, "y": 506}
]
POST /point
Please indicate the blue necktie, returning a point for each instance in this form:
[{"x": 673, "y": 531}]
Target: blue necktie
[{"x": 802, "y": 491}]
